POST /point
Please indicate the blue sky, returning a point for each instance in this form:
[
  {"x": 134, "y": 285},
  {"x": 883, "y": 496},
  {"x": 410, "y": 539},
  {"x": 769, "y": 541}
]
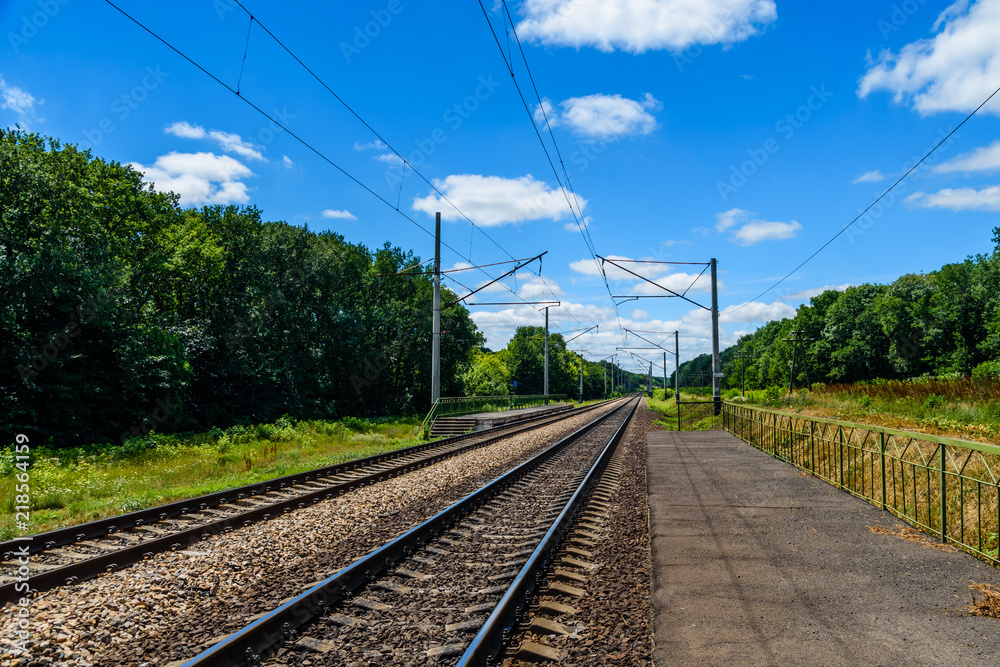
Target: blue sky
[{"x": 746, "y": 130}]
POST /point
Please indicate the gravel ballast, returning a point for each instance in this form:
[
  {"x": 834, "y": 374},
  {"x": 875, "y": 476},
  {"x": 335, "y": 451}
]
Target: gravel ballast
[{"x": 167, "y": 607}]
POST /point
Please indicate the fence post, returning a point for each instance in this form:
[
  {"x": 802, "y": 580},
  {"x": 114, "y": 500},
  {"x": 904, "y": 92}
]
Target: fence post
[
  {"x": 840, "y": 456},
  {"x": 881, "y": 453},
  {"x": 944, "y": 506},
  {"x": 812, "y": 446}
]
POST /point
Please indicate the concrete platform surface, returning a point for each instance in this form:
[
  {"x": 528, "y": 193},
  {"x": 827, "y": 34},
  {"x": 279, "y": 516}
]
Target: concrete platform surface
[
  {"x": 519, "y": 413},
  {"x": 758, "y": 563}
]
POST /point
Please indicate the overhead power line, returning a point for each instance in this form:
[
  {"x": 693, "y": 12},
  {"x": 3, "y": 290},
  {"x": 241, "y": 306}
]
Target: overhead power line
[
  {"x": 300, "y": 139},
  {"x": 870, "y": 206},
  {"x": 368, "y": 125},
  {"x": 567, "y": 188}
]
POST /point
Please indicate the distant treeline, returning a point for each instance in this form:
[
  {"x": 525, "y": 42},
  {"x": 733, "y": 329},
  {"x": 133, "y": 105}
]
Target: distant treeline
[
  {"x": 942, "y": 323},
  {"x": 122, "y": 312}
]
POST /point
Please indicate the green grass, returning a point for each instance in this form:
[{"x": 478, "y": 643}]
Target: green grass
[
  {"x": 693, "y": 417},
  {"x": 961, "y": 408},
  {"x": 74, "y": 486}
]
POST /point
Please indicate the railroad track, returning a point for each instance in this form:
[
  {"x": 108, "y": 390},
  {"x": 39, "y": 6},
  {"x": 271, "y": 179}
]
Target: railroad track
[
  {"x": 77, "y": 553},
  {"x": 448, "y": 590}
]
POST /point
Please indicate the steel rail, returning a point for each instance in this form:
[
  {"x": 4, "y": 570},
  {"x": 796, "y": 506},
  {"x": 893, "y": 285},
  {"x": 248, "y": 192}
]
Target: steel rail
[
  {"x": 269, "y": 631},
  {"x": 489, "y": 641},
  {"x": 71, "y": 573}
]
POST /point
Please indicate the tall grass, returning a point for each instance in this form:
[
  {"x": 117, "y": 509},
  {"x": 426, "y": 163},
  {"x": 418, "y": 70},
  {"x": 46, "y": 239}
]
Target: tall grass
[
  {"x": 954, "y": 388},
  {"x": 697, "y": 417},
  {"x": 71, "y": 486},
  {"x": 957, "y": 406}
]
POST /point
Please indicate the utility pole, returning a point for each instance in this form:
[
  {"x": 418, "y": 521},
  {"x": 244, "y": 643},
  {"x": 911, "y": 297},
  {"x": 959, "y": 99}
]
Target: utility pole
[
  {"x": 742, "y": 356},
  {"x": 436, "y": 326},
  {"x": 581, "y": 378},
  {"x": 664, "y": 375},
  {"x": 605, "y": 379},
  {"x": 546, "y": 383},
  {"x": 677, "y": 369},
  {"x": 649, "y": 381},
  {"x": 798, "y": 341},
  {"x": 677, "y": 376},
  {"x": 716, "y": 363}
]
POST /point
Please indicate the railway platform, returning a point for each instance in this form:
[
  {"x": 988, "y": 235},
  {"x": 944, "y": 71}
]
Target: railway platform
[
  {"x": 758, "y": 563},
  {"x": 477, "y": 422}
]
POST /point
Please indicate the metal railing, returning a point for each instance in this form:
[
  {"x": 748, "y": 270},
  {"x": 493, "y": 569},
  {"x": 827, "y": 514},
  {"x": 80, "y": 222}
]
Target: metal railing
[
  {"x": 469, "y": 405},
  {"x": 946, "y": 487}
]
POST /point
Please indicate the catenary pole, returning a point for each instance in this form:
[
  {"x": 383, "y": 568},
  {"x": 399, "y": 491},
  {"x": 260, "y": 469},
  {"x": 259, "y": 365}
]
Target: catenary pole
[
  {"x": 436, "y": 330},
  {"x": 716, "y": 364}
]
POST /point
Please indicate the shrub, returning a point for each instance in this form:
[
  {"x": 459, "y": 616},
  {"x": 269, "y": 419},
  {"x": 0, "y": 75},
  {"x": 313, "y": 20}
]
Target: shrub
[
  {"x": 358, "y": 425},
  {"x": 773, "y": 393},
  {"x": 988, "y": 371},
  {"x": 934, "y": 401}
]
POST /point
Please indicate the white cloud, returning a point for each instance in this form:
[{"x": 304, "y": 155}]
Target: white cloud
[
  {"x": 575, "y": 226},
  {"x": 640, "y": 314},
  {"x": 389, "y": 158},
  {"x": 233, "y": 143},
  {"x": 959, "y": 199},
  {"x": 287, "y": 161},
  {"x": 227, "y": 141},
  {"x": 809, "y": 293},
  {"x": 20, "y": 101},
  {"x": 984, "y": 158},
  {"x": 499, "y": 323},
  {"x": 952, "y": 71},
  {"x": 338, "y": 215},
  {"x": 603, "y": 116},
  {"x": 374, "y": 145},
  {"x": 733, "y": 216},
  {"x": 198, "y": 178},
  {"x": 751, "y": 230},
  {"x": 762, "y": 230},
  {"x": 589, "y": 267},
  {"x": 536, "y": 289},
  {"x": 755, "y": 311},
  {"x": 869, "y": 177},
  {"x": 186, "y": 130},
  {"x": 642, "y": 25},
  {"x": 677, "y": 282},
  {"x": 491, "y": 200}
]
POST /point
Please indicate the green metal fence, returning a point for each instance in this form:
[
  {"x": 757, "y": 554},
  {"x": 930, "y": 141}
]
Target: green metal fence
[
  {"x": 948, "y": 488},
  {"x": 470, "y": 405}
]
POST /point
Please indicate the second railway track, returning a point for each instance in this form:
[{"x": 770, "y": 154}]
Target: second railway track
[
  {"x": 69, "y": 555},
  {"x": 446, "y": 591}
]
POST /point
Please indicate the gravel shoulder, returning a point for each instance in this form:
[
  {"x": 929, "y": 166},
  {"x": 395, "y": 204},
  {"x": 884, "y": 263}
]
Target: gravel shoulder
[
  {"x": 613, "y": 621},
  {"x": 757, "y": 563}
]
